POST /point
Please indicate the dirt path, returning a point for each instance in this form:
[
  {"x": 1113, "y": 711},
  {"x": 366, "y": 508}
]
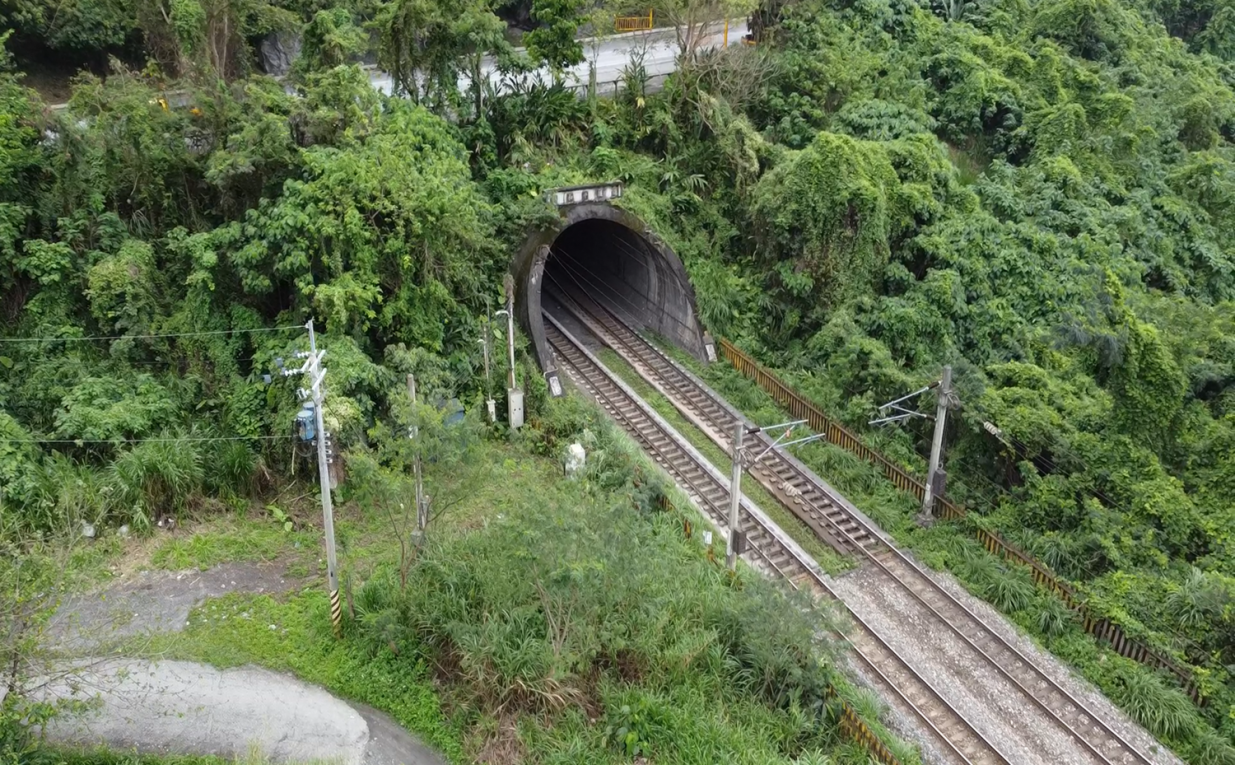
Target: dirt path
[
  {"x": 190, "y": 708},
  {"x": 154, "y": 601}
]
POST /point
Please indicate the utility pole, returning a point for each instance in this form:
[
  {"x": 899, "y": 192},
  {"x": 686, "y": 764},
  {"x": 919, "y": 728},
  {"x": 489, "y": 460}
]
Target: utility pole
[
  {"x": 325, "y": 456},
  {"x": 422, "y": 506},
  {"x": 936, "y": 476},
  {"x": 490, "y": 404},
  {"x": 737, "y": 537},
  {"x": 735, "y": 497},
  {"x": 514, "y": 400}
]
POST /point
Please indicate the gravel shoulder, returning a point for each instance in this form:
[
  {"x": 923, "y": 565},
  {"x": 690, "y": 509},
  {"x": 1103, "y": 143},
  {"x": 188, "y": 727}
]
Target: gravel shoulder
[{"x": 1067, "y": 678}]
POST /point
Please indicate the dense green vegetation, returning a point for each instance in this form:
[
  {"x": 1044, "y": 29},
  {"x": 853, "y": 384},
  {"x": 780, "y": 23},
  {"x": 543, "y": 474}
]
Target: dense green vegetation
[
  {"x": 1039, "y": 194},
  {"x": 1036, "y": 197},
  {"x": 1152, "y": 700},
  {"x": 568, "y": 621}
]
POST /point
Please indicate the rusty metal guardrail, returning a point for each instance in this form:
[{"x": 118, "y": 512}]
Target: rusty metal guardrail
[
  {"x": 1099, "y": 626},
  {"x": 856, "y": 728}
]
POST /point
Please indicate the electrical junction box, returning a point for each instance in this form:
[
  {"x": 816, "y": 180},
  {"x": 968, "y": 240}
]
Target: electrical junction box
[
  {"x": 709, "y": 347},
  {"x": 515, "y": 407},
  {"x": 555, "y": 385}
]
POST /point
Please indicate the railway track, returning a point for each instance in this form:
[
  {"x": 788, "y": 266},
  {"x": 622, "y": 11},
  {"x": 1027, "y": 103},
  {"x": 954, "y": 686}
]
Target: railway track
[
  {"x": 851, "y": 534},
  {"x": 766, "y": 551}
]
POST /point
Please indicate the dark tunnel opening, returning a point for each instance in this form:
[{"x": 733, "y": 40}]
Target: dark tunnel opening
[{"x": 621, "y": 270}]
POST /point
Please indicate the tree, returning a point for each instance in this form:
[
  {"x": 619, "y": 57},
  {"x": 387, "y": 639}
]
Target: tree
[
  {"x": 73, "y": 27},
  {"x": 32, "y": 581},
  {"x": 410, "y": 177},
  {"x": 426, "y": 46},
  {"x": 208, "y": 38},
  {"x": 826, "y": 217},
  {"x": 554, "y": 41},
  {"x": 330, "y": 40},
  {"x": 696, "y": 21}
]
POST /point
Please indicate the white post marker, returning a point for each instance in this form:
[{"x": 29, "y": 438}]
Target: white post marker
[
  {"x": 735, "y": 496},
  {"x": 514, "y": 400}
]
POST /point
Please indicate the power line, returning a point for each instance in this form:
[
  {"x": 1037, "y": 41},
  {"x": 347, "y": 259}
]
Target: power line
[
  {"x": 119, "y": 361},
  {"x": 119, "y": 441},
  {"x": 1054, "y": 468},
  {"x": 53, "y": 339}
]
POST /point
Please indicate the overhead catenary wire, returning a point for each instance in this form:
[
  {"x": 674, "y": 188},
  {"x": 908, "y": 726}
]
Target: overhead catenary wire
[
  {"x": 572, "y": 265},
  {"x": 625, "y": 312},
  {"x": 576, "y": 269},
  {"x": 677, "y": 386}
]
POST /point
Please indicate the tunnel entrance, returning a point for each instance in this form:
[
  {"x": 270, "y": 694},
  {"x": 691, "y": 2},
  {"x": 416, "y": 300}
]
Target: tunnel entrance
[{"x": 606, "y": 255}]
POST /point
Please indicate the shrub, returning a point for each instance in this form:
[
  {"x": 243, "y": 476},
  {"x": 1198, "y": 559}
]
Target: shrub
[
  {"x": 1053, "y": 616},
  {"x": 1009, "y": 591},
  {"x": 156, "y": 477},
  {"x": 1166, "y": 712},
  {"x": 585, "y": 602}
]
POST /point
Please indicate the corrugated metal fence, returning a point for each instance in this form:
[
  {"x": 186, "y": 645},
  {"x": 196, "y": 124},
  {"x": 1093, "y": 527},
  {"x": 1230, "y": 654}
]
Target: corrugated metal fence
[
  {"x": 856, "y": 728},
  {"x": 837, "y": 434}
]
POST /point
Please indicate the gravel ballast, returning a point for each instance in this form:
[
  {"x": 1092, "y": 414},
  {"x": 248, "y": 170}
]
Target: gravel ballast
[{"x": 995, "y": 707}]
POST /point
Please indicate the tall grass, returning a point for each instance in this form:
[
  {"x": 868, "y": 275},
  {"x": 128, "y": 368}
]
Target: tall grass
[
  {"x": 1166, "y": 712},
  {"x": 586, "y": 627},
  {"x": 155, "y": 478}
]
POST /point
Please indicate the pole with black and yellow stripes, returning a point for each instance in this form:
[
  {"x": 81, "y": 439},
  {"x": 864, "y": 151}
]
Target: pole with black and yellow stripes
[{"x": 317, "y": 376}]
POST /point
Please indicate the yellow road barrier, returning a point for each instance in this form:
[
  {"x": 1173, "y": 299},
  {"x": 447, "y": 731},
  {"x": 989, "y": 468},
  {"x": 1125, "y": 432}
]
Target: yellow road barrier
[{"x": 632, "y": 23}]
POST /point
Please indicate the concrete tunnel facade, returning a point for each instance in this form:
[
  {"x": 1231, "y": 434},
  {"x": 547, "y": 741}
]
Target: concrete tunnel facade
[{"x": 612, "y": 256}]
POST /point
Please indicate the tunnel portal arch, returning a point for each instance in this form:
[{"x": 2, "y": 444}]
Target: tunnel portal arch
[{"x": 612, "y": 256}]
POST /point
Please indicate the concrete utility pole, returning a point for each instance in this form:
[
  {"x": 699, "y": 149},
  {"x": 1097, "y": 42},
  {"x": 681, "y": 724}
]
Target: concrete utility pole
[
  {"x": 514, "y": 400},
  {"x": 737, "y": 537},
  {"x": 325, "y": 456},
  {"x": 735, "y": 497},
  {"x": 422, "y": 506},
  {"x": 936, "y": 477}
]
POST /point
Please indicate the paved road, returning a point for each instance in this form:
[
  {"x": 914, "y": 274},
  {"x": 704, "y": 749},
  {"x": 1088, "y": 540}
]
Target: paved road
[
  {"x": 183, "y": 707},
  {"x": 174, "y": 706},
  {"x": 611, "y": 55}
]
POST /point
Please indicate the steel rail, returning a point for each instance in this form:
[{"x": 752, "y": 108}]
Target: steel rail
[
  {"x": 1095, "y": 735},
  {"x": 711, "y": 493}
]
